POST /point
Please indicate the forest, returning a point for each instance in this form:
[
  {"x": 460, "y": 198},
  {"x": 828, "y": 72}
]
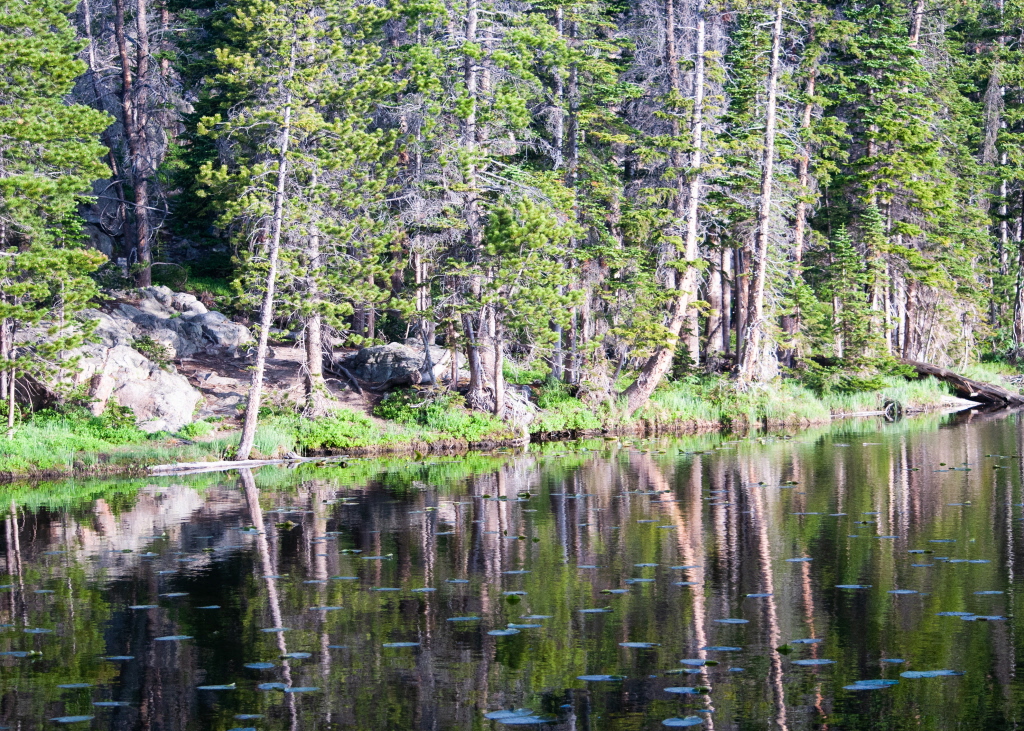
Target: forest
[{"x": 599, "y": 197}]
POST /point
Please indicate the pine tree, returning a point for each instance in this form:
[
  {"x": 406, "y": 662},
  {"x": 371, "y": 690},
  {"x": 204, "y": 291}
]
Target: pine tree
[{"x": 48, "y": 161}]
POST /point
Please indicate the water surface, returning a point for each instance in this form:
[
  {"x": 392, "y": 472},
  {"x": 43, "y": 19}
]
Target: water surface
[{"x": 858, "y": 577}]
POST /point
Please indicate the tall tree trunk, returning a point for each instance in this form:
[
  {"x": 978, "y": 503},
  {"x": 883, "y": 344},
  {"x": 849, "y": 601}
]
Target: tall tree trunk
[
  {"x": 142, "y": 162},
  {"x": 742, "y": 287},
  {"x": 915, "y": 23},
  {"x": 252, "y": 408},
  {"x": 659, "y": 363},
  {"x": 791, "y": 321},
  {"x": 726, "y": 273},
  {"x": 751, "y": 367},
  {"x": 713, "y": 324},
  {"x": 477, "y": 397},
  {"x": 317, "y": 398}
]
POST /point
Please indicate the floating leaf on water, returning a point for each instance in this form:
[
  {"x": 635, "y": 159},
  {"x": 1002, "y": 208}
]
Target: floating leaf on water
[
  {"x": 639, "y": 581},
  {"x": 517, "y": 572},
  {"x": 375, "y": 558},
  {"x": 384, "y": 588},
  {"x": 853, "y": 586},
  {"x": 69, "y": 686},
  {"x": 681, "y": 722},
  {"x": 686, "y": 583},
  {"x": 111, "y": 704},
  {"x": 721, "y": 648},
  {"x": 736, "y": 670},
  {"x": 172, "y": 638},
  {"x": 401, "y": 644},
  {"x": 799, "y": 560},
  {"x": 458, "y": 581},
  {"x": 463, "y": 619},
  {"x": 503, "y": 632},
  {"x": 248, "y": 716},
  {"x": 645, "y": 565},
  {"x": 987, "y": 593},
  {"x": 271, "y": 686},
  {"x": 814, "y": 661},
  {"x": 682, "y": 690},
  {"x": 684, "y": 568},
  {"x": 44, "y": 591},
  {"x": 301, "y": 689},
  {"x": 979, "y": 560},
  {"x": 513, "y": 593},
  {"x": 524, "y": 626},
  {"x": 600, "y": 678},
  {"x": 693, "y": 661},
  {"x": 501, "y": 715},
  {"x": 892, "y": 660},
  {"x": 324, "y": 609},
  {"x": 758, "y": 596},
  {"x": 344, "y": 578},
  {"x": 116, "y": 658},
  {"x": 72, "y": 719},
  {"x": 260, "y": 665},
  {"x": 210, "y": 606},
  {"x": 537, "y": 616},
  {"x": 297, "y": 655},
  {"x": 586, "y": 566},
  {"x": 902, "y": 591},
  {"x": 732, "y": 620},
  {"x": 15, "y": 653},
  {"x": 316, "y": 581},
  {"x": 614, "y": 591},
  {"x": 595, "y": 611},
  {"x": 982, "y": 618},
  {"x": 920, "y": 550},
  {"x": 640, "y": 645},
  {"x": 953, "y": 614},
  {"x": 942, "y": 540},
  {"x": 37, "y": 631},
  {"x": 421, "y": 590},
  {"x": 175, "y": 594},
  {"x": 871, "y": 684},
  {"x": 807, "y": 641},
  {"x": 143, "y": 606},
  {"x": 929, "y": 673}
]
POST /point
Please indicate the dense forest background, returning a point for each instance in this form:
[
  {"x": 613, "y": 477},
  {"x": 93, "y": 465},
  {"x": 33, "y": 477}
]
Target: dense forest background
[{"x": 613, "y": 192}]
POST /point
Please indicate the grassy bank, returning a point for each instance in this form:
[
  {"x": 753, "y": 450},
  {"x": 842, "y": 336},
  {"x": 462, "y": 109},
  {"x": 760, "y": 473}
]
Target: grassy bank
[{"x": 74, "y": 442}]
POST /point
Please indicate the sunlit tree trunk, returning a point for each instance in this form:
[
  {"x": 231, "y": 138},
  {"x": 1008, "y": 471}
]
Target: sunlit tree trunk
[
  {"x": 751, "y": 367},
  {"x": 659, "y": 363}
]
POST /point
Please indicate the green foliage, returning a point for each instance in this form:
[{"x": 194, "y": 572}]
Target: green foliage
[
  {"x": 444, "y": 413},
  {"x": 155, "y": 351},
  {"x": 197, "y": 429}
]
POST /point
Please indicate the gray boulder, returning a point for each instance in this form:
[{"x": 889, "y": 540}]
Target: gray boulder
[
  {"x": 394, "y": 364},
  {"x": 176, "y": 320}
]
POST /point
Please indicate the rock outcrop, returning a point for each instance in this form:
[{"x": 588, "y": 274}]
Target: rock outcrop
[
  {"x": 397, "y": 365},
  {"x": 129, "y": 361}
]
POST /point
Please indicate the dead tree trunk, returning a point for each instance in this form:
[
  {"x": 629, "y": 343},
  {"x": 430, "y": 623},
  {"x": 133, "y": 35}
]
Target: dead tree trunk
[
  {"x": 659, "y": 363},
  {"x": 750, "y": 358}
]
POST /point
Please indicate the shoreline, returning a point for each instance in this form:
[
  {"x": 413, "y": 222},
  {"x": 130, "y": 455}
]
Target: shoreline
[{"x": 126, "y": 462}]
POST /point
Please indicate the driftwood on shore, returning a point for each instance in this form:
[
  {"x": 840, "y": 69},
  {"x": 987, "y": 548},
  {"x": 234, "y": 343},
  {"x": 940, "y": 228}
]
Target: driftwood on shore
[
  {"x": 986, "y": 393},
  {"x": 196, "y": 467}
]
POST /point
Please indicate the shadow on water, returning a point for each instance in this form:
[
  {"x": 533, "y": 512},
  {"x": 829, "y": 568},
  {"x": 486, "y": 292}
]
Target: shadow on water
[{"x": 820, "y": 579}]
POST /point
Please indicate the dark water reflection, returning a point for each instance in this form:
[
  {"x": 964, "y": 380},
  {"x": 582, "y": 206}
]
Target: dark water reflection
[{"x": 670, "y": 536}]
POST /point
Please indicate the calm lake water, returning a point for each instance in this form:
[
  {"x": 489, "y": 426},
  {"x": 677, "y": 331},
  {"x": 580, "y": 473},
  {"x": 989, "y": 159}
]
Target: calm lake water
[{"x": 592, "y": 585}]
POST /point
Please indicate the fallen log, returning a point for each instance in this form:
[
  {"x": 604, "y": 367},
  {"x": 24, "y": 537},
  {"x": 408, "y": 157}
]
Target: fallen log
[
  {"x": 189, "y": 467},
  {"x": 986, "y": 393}
]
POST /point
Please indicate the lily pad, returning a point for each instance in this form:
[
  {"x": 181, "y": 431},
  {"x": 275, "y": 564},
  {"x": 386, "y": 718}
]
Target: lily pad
[
  {"x": 69, "y": 686},
  {"x": 853, "y": 586},
  {"x": 260, "y": 665},
  {"x": 503, "y": 632},
  {"x": 297, "y": 655},
  {"x": 72, "y": 719},
  {"x": 271, "y": 686},
  {"x": 758, "y": 596},
  {"x": 463, "y": 619},
  {"x": 721, "y": 648},
  {"x": 401, "y": 644},
  {"x": 595, "y": 611},
  {"x": 144, "y": 606},
  {"x": 682, "y": 722},
  {"x": 600, "y": 678},
  {"x": 732, "y": 620},
  {"x": 301, "y": 689},
  {"x": 871, "y": 684},
  {"x": 111, "y": 704},
  {"x": 172, "y": 638},
  {"x": 929, "y": 673},
  {"x": 640, "y": 645},
  {"x": 814, "y": 661}
]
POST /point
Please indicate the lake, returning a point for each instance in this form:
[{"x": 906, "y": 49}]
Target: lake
[{"x": 862, "y": 576}]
